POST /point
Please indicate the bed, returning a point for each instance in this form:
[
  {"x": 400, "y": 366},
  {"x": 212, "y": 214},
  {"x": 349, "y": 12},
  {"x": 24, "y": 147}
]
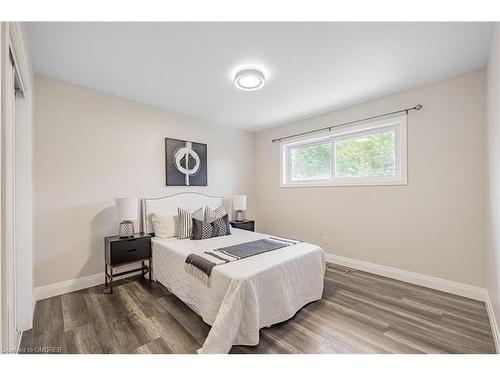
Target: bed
[{"x": 243, "y": 296}]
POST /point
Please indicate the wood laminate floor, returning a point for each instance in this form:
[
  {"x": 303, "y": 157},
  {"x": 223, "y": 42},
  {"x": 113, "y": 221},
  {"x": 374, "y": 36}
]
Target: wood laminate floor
[{"x": 359, "y": 313}]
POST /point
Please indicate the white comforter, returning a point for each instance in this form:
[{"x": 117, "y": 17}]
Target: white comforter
[{"x": 244, "y": 295}]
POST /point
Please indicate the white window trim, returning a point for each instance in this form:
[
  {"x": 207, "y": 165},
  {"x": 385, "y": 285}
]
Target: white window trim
[{"x": 398, "y": 123}]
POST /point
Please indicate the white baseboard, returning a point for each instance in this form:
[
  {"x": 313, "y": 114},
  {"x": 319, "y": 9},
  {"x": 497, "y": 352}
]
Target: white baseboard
[
  {"x": 493, "y": 322},
  {"x": 68, "y": 286},
  {"x": 432, "y": 282}
]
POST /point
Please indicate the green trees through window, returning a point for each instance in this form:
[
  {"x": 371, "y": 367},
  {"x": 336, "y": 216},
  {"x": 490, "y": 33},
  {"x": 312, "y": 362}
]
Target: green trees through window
[
  {"x": 366, "y": 156},
  {"x": 361, "y": 155},
  {"x": 312, "y": 162}
]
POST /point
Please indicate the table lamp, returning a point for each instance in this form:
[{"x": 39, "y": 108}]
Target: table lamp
[
  {"x": 126, "y": 211},
  {"x": 239, "y": 205}
]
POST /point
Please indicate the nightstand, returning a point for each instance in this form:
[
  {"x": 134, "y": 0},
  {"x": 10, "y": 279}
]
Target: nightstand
[
  {"x": 123, "y": 251},
  {"x": 245, "y": 224}
]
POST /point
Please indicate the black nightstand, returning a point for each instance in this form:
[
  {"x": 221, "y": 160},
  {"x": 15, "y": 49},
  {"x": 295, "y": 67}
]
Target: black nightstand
[
  {"x": 122, "y": 251},
  {"x": 245, "y": 224}
]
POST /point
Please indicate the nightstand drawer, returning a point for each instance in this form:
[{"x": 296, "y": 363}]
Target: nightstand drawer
[
  {"x": 246, "y": 225},
  {"x": 119, "y": 251},
  {"x": 130, "y": 250}
]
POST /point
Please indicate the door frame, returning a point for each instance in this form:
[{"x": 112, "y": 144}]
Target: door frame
[{"x": 15, "y": 261}]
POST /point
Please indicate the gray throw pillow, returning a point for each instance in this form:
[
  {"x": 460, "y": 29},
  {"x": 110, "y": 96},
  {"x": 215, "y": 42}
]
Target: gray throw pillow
[
  {"x": 211, "y": 215},
  {"x": 216, "y": 228},
  {"x": 222, "y": 226},
  {"x": 202, "y": 230}
]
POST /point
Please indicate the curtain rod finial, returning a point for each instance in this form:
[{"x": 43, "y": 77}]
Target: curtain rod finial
[{"x": 418, "y": 107}]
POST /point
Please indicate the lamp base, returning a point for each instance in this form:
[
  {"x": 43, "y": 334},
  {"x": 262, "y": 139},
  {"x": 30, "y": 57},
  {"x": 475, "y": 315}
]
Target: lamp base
[
  {"x": 126, "y": 229},
  {"x": 239, "y": 216}
]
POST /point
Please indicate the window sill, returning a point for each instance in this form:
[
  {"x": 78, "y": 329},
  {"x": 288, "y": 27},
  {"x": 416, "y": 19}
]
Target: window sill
[{"x": 351, "y": 183}]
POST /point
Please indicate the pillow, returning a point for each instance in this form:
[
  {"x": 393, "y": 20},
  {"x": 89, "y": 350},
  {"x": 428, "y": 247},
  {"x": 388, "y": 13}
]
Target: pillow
[
  {"x": 211, "y": 215},
  {"x": 221, "y": 226},
  {"x": 185, "y": 221},
  {"x": 202, "y": 230},
  {"x": 163, "y": 225}
]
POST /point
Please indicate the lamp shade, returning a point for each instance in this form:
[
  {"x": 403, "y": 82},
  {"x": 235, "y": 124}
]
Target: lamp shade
[
  {"x": 240, "y": 202},
  {"x": 126, "y": 208}
]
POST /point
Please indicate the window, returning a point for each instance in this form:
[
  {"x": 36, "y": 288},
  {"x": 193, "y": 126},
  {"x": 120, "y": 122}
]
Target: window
[
  {"x": 311, "y": 162},
  {"x": 364, "y": 154}
]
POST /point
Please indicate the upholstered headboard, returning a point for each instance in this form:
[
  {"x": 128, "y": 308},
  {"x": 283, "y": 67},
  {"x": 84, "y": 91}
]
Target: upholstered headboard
[{"x": 168, "y": 206}]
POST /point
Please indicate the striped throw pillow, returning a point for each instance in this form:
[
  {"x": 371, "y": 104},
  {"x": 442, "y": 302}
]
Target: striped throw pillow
[
  {"x": 185, "y": 221},
  {"x": 211, "y": 215}
]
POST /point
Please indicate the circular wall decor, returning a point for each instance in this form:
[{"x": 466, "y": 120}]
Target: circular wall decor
[{"x": 183, "y": 153}]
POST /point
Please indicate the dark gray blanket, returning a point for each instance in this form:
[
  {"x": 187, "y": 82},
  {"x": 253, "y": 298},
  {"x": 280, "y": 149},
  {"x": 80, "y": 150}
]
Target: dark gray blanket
[
  {"x": 248, "y": 249},
  {"x": 207, "y": 260}
]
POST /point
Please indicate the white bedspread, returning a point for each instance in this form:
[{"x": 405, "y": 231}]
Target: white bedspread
[{"x": 245, "y": 295}]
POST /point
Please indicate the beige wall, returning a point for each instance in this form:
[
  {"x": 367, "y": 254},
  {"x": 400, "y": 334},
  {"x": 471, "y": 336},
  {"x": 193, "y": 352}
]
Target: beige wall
[
  {"x": 90, "y": 148},
  {"x": 493, "y": 176},
  {"x": 434, "y": 226}
]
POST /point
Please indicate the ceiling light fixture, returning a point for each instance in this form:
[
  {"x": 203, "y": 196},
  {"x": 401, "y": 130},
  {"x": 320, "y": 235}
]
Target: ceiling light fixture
[{"x": 249, "y": 79}]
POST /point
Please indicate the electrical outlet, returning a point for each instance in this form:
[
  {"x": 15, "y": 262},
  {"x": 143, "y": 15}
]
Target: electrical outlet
[{"x": 325, "y": 240}]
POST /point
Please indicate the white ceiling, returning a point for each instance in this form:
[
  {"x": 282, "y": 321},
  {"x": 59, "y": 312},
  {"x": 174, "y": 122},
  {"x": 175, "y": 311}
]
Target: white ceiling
[{"x": 312, "y": 67}]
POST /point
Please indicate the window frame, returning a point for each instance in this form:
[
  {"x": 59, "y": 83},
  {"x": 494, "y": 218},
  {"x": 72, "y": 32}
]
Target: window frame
[{"x": 396, "y": 123}]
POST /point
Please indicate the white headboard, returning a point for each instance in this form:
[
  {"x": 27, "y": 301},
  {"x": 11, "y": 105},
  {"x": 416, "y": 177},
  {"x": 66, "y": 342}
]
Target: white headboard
[{"x": 168, "y": 206}]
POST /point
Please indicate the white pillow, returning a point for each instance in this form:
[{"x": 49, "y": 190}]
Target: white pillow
[{"x": 164, "y": 225}]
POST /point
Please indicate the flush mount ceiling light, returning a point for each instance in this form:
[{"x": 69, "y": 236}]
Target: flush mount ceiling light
[{"x": 249, "y": 79}]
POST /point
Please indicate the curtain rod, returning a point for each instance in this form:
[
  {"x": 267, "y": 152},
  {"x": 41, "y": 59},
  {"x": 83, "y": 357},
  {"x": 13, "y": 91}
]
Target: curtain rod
[{"x": 418, "y": 107}]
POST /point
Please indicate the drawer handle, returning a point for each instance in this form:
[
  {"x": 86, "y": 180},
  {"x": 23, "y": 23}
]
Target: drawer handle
[{"x": 129, "y": 251}]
